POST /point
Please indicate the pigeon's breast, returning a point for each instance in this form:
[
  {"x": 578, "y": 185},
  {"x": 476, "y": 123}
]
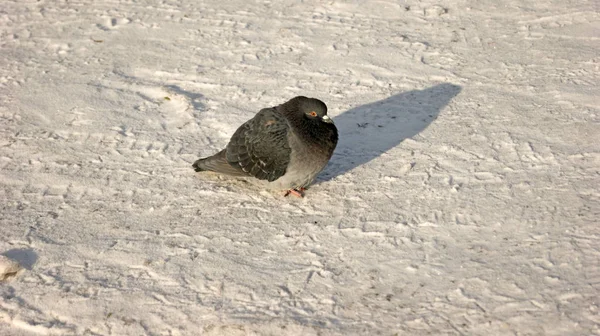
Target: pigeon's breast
[{"x": 307, "y": 160}]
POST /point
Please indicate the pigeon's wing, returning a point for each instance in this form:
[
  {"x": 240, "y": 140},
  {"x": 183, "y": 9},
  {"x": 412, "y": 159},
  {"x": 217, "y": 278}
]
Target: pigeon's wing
[
  {"x": 218, "y": 163},
  {"x": 260, "y": 146}
]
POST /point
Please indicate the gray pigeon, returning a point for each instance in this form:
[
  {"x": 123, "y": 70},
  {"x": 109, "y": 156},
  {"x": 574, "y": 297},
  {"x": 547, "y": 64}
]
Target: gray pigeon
[{"x": 283, "y": 147}]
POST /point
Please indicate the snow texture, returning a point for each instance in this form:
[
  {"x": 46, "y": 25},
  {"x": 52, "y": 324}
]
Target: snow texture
[
  {"x": 463, "y": 197},
  {"x": 8, "y": 268}
]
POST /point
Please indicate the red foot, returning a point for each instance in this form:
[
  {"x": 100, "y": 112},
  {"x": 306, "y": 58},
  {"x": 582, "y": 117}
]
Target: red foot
[{"x": 295, "y": 192}]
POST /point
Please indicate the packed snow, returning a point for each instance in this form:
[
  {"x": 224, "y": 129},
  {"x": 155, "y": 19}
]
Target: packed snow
[{"x": 463, "y": 197}]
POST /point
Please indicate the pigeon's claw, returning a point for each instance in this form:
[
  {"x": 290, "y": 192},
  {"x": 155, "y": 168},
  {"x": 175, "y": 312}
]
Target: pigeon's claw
[{"x": 295, "y": 192}]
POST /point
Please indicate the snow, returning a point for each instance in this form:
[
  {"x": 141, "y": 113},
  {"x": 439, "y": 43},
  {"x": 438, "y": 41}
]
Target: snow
[
  {"x": 463, "y": 197},
  {"x": 8, "y": 268}
]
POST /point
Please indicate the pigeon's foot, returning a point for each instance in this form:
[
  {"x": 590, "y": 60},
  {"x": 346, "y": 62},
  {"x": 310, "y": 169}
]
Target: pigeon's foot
[{"x": 296, "y": 192}]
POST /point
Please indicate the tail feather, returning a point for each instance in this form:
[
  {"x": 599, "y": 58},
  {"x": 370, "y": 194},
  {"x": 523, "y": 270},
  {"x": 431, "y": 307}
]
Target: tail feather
[{"x": 217, "y": 163}]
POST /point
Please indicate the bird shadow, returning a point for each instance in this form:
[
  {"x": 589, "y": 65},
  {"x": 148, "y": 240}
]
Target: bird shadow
[
  {"x": 24, "y": 256},
  {"x": 195, "y": 98},
  {"x": 368, "y": 131}
]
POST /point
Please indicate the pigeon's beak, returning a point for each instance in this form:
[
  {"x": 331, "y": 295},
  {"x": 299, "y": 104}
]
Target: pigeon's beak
[{"x": 327, "y": 119}]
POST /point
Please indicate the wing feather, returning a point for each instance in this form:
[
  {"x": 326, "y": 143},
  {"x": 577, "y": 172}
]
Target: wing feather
[{"x": 260, "y": 146}]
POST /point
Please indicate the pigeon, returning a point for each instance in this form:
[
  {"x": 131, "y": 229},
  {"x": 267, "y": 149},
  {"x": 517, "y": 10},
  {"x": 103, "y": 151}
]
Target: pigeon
[{"x": 282, "y": 148}]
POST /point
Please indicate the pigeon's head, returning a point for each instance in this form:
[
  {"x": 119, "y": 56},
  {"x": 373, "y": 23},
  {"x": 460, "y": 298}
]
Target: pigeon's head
[{"x": 312, "y": 108}]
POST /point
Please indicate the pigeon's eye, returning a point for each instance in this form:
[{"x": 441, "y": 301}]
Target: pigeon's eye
[{"x": 313, "y": 114}]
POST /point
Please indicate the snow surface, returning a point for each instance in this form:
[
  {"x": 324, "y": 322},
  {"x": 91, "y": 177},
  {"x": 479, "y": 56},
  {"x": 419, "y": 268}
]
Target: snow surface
[
  {"x": 463, "y": 198},
  {"x": 8, "y": 268}
]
